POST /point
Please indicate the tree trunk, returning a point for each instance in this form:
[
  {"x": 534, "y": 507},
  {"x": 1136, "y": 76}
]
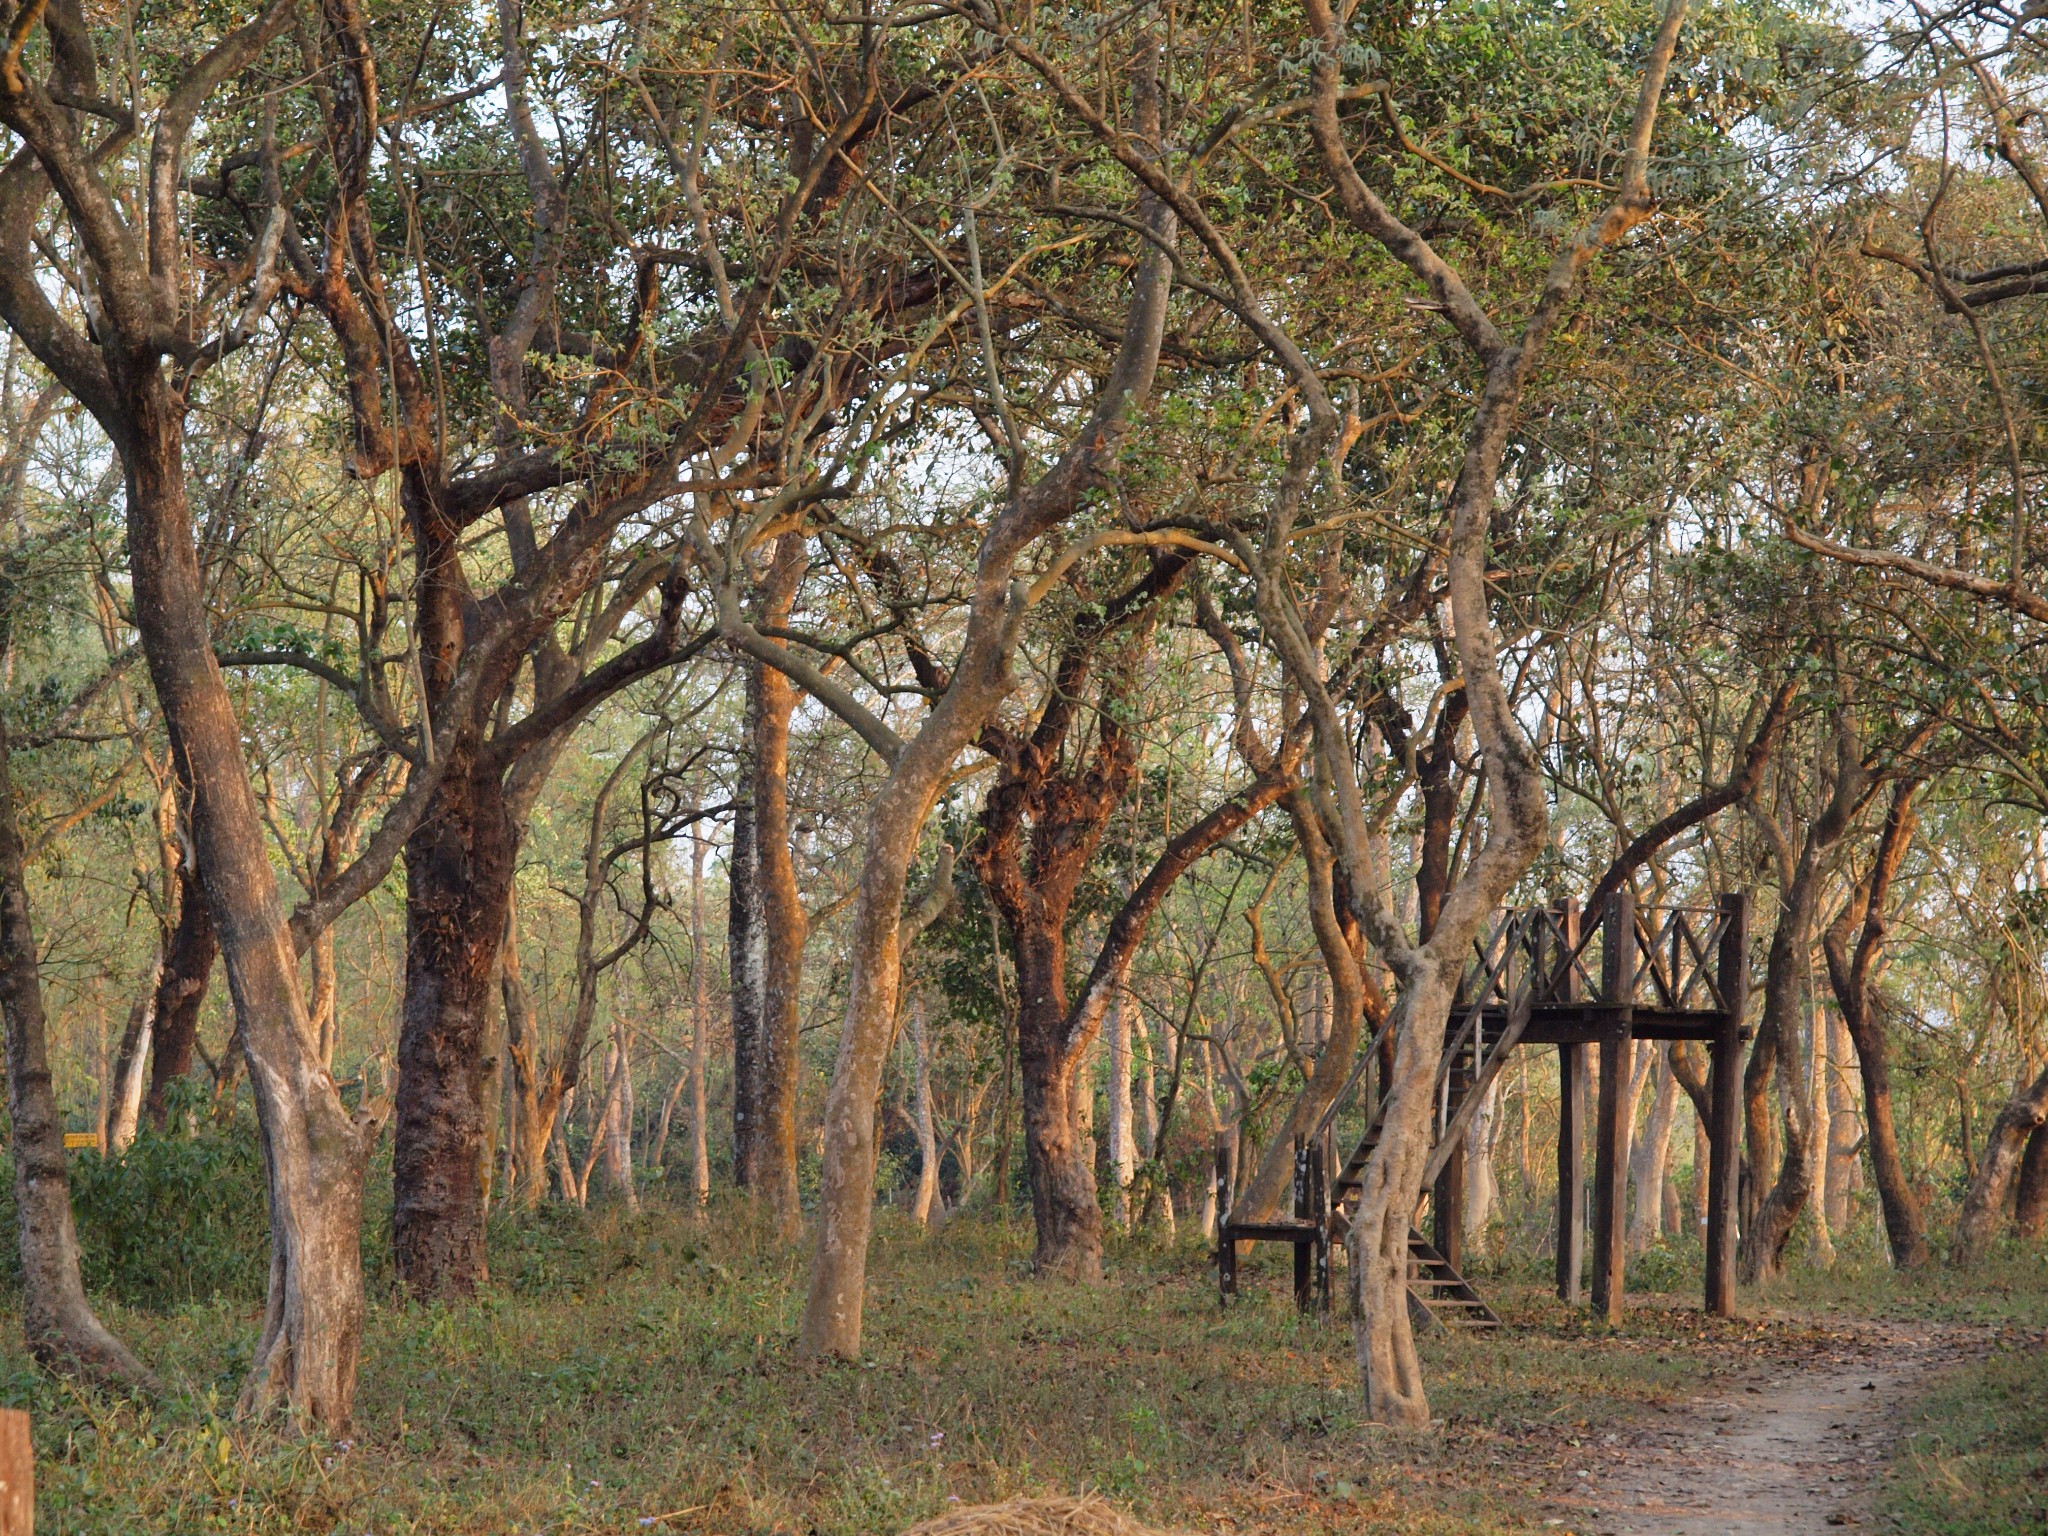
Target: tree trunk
[
  {"x": 58, "y": 1323},
  {"x": 1652, "y": 1152},
  {"x": 784, "y": 924},
  {"x": 1384, "y": 1339},
  {"x": 1158, "y": 1204},
  {"x": 700, "y": 1026},
  {"x": 326, "y": 1021},
  {"x": 131, "y": 1063},
  {"x": 530, "y": 1123},
  {"x": 459, "y": 864},
  {"x": 1354, "y": 999},
  {"x": 846, "y": 1199},
  {"x": 745, "y": 962},
  {"x": 1045, "y": 817},
  {"x": 1845, "y": 1132},
  {"x": 1821, "y": 1128},
  {"x": 1788, "y": 992},
  {"x": 314, "y": 1150},
  {"x": 1851, "y": 978},
  {"x": 189, "y": 954},
  {"x": 2030, "y": 1204},
  {"x": 924, "y": 1203},
  {"x": 1064, "y": 1209},
  {"x": 616, "y": 1140},
  {"x": 1482, "y": 1183},
  {"x": 1123, "y": 1145},
  {"x": 2018, "y": 1124},
  {"x": 918, "y": 769}
]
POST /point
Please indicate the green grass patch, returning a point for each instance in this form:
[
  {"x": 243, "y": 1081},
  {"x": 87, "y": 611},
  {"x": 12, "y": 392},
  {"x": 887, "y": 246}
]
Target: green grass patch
[{"x": 1975, "y": 1459}]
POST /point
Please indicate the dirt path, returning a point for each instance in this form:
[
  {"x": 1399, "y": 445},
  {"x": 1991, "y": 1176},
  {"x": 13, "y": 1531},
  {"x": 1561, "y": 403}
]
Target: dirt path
[{"x": 1794, "y": 1449}]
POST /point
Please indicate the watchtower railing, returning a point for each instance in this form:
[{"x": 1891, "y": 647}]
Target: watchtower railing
[{"x": 1544, "y": 954}]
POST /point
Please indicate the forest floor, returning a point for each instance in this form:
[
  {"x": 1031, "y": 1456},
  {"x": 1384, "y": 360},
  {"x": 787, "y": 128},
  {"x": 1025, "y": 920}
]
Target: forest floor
[{"x": 629, "y": 1374}]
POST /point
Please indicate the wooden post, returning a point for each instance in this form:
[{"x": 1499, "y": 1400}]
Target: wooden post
[
  {"x": 1226, "y": 1181},
  {"x": 1571, "y": 1170},
  {"x": 1319, "y": 1208},
  {"x": 1724, "y": 1098},
  {"x": 1304, "y": 1210},
  {"x": 1610, "y": 1148},
  {"x": 1571, "y": 1119},
  {"x": 1565, "y": 987},
  {"x": 17, "y": 1475},
  {"x": 1447, "y": 1208}
]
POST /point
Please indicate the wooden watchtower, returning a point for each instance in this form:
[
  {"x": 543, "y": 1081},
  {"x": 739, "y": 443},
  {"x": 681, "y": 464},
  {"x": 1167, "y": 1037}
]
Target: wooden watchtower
[{"x": 1665, "y": 973}]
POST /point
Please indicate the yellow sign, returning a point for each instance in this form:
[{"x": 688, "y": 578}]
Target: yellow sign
[{"x": 74, "y": 1139}]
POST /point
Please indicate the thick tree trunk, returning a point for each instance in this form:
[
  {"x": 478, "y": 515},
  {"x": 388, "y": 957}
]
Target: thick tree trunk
[
  {"x": 2017, "y": 1125},
  {"x": 189, "y": 954},
  {"x": 1384, "y": 1340},
  {"x": 846, "y": 1199},
  {"x": 1063, "y": 1202},
  {"x": 459, "y": 864},
  {"x": 59, "y": 1325},
  {"x": 314, "y": 1150}
]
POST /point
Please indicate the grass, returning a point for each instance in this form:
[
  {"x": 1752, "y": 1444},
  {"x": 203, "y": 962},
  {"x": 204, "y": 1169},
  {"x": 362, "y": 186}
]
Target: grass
[{"x": 628, "y": 1374}]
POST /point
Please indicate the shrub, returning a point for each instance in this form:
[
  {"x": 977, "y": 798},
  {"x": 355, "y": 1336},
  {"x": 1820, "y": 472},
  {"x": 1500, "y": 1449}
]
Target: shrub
[{"x": 178, "y": 1217}]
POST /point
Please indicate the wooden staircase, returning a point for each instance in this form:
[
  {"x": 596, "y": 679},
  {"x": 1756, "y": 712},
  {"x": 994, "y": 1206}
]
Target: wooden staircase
[{"x": 1438, "y": 1295}]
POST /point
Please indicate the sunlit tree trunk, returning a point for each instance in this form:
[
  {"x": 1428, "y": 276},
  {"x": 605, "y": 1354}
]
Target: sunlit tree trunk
[
  {"x": 1123, "y": 1145},
  {"x": 131, "y": 1065},
  {"x": 924, "y": 1202}
]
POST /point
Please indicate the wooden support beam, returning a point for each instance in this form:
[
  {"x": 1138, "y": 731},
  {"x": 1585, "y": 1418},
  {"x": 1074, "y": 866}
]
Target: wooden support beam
[
  {"x": 1610, "y": 1150},
  {"x": 1304, "y": 1210},
  {"x": 1447, "y": 1209},
  {"x": 1610, "y": 1180},
  {"x": 1724, "y": 1098},
  {"x": 1571, "y": 1170},
  {"x": 1320, "y": 1211},
  {"x": 17, "y": 1474}
]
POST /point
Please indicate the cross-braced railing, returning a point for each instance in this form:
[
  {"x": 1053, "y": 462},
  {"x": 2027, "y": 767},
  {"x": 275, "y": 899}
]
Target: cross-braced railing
[
  {"x": 1677, "y": 952},
  {"x": 1543, "y": 957}
]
